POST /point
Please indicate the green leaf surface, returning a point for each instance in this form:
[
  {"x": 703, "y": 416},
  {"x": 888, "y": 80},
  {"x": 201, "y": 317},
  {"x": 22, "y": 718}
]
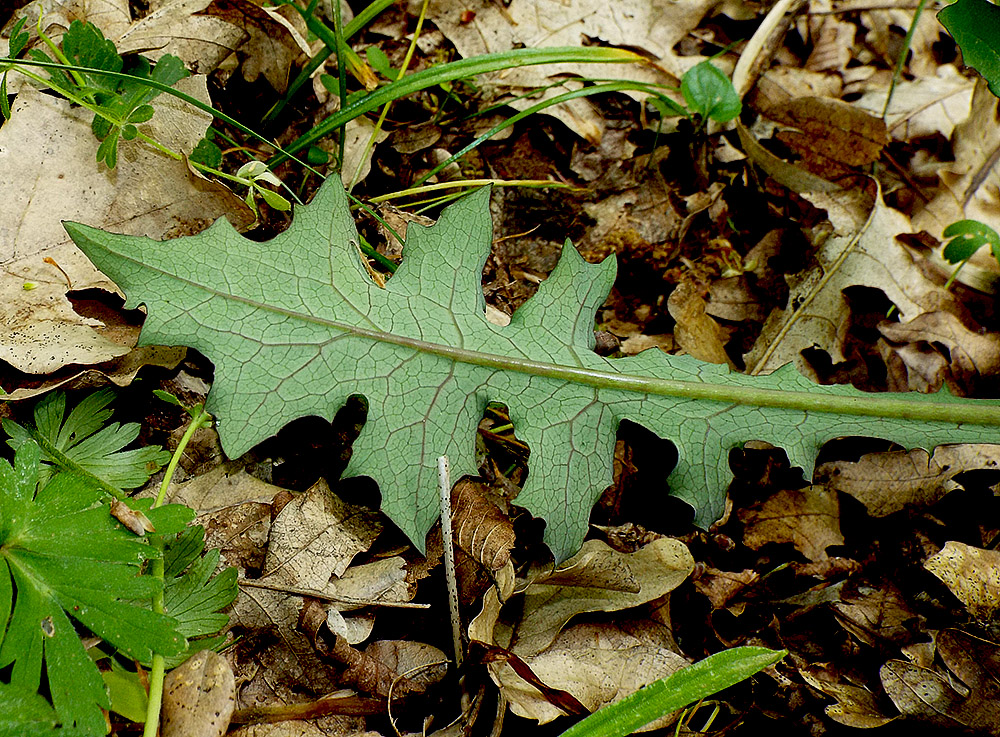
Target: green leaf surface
[
  {"x": 192, "y": 596},
  {"x": 967, "y": 237},
  {"x": 708, "y": 92},
  {"x": 295, "y": 326},
  {"x": 82, "y": 443},
  {"x": 24, "y": 713},
  {"x": 61, "y": 554},
  {"x": 84, "y": 45},
  {"x": 975, "y": 26}
]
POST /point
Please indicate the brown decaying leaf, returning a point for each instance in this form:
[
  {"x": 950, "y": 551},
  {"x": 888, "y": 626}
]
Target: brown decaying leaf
[
  {"x": 808, "y": 518},
  {"x": 888, "y": 482},
  {"x": 924, "y": 695},
  {"x": 313, "y": 538},
  {"x": 721, "y": 587},
  {"x": 198, "y": 697},
  {"x": 696, "y": 332},
  {"x": 386, "y": 667},
  {"x": 830, "y": 133},
  {"x": 861, "y": 250},
  {"x": 134, "y": 520},
  {"x": 579, "y": 658},
  {"x": 481, "y": 529},
  {"x": 970, "y": 355},
  {"x": 876, "y": 613},
  {"x": 971, "y": 574},
  {"x": 856, "y": 706}
]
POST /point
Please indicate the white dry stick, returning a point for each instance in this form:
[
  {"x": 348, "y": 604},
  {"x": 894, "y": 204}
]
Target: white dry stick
[{"x": 444, "y": 484}]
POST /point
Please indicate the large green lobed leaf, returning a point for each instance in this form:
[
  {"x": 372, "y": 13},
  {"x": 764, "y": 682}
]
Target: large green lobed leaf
[{"x": 294, "y": 326}]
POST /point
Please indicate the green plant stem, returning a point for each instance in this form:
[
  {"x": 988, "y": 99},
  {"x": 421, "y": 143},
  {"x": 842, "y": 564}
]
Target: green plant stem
[
  {"x": 385, "y": 108},
  {"x": 200, "y": 418},
  {"x": 323, "y": 33},
  {"x": 342, "y": 50},
  {"x": 901, "y": 61},
  {"x": 58, "y": 53},
  {"x": 450, "y": 72},
  {"x": 530, "y": 183}
]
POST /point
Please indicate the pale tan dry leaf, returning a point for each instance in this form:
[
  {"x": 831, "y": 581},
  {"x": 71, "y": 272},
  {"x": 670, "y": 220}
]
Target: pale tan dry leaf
[
  {"x": 970, "y": 187},
  {"x": 638, "y": 343},
  {"x": 862, "y": 251},
  {"x": 884, "y": 34},
  {"x": 781, "y": 84},
  {"x": 187, "y": 30},
  {"x": 923, "y": 695},
  {"x": 313, "y": 538},
  {"x": 888, "y": 482},
  {"x": 204, "y": 32},
  {"x": 399, "y": 221},
  {"x": 135, "y": 521},
  {"x": 220, "y": 489},
  {"x": 596, "y": 663},
  {"x": 925, "y": 105},
  {"x": 732, "y": 299},
  {"x": 198, "y": 697},
  {"x": 332, "y": 725},
  {"x": 833, "y": 44},
  {"x": 381, "y": 581},
  {"x": 235, "y": 510},
  {"x": 971, "y": 574},
  {"x": 695, "y": 331},
  {"x": 598, "y": 579},
  {"x": 53, "y": 149},
  {"x": 111, "y": 16},
  {"x": 356, "y": 136},
  {"x": 856, "y": 706},
  {"x": 808, "y": 518},
  {"x": 118, "y": 372},
  {"x": 655, "y": 26},
  {"x": 481, "y": 528}
]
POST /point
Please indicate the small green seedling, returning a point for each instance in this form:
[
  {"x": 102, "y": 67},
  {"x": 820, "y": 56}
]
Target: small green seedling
[
  {"x": 967, "y": 237},
  {"x": 119, "y": 104},
  {"x": 710, "y": 93},
  {"x": 252, "y": 174}
]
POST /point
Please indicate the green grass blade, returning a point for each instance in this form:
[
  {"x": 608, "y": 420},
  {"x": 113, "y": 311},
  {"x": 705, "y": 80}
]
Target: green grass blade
[
  {"x": 558, "y": 99},
  {"x": 449, "y": 73},
  {"x": 704, "y": 678}
]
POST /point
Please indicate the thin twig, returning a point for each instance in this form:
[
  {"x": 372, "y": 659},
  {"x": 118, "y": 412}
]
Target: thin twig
[
  {"x": 444, "y": 484},
  {"x": 327, "y": 597}
]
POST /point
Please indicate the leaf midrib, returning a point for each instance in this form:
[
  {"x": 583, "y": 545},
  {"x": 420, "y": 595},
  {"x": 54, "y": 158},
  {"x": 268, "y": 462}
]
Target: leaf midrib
[{"x": 862, "y": 405}]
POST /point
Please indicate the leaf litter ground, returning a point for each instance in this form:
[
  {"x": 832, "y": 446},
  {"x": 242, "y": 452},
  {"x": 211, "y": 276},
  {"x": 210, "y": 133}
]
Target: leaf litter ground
[{"x": 793, "y": 565}]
